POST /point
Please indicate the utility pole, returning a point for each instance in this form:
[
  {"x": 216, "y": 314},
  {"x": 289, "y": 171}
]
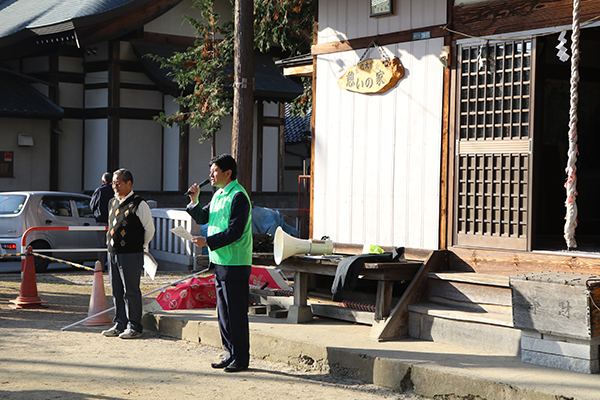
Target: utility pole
[{"x": 243, "y": 91}]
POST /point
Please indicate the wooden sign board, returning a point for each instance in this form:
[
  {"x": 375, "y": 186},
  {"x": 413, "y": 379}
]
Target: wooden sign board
[{"x": 372, "y": 76}]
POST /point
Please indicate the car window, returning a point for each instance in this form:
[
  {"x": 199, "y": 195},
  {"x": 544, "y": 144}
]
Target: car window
[
  {"x": 60, "y": 206},
  {"x": 11, "y": 203},
  {"x": 83, "y": 208}
]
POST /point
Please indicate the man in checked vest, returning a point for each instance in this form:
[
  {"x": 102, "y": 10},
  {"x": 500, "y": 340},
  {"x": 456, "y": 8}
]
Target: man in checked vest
[
  {"x": 130, "y": 229},
  {"x": 229, "y": 242}
]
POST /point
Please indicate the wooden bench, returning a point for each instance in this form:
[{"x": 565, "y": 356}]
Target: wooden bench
[{"x": 384, "y": 273}]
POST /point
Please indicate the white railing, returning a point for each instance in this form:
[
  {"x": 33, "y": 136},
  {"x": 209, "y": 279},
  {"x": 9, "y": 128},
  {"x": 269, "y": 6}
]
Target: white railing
[{"x": 166, "y": 247}]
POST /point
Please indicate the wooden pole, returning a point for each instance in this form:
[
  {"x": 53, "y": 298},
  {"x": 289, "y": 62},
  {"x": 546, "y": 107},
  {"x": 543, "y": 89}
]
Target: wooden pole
[{"x": 243, "y": 91}]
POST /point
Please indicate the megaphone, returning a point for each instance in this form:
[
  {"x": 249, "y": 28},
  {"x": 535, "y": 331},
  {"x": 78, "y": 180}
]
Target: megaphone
[{"x": 285, "y": 246}]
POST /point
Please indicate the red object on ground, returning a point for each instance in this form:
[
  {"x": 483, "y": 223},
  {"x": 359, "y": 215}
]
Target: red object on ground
[
  {"x": 262, "y": 275},
  {"x": 196, "y": 293},
  {"x": 98, "y": 300},
  {"x": 28, "y": 295}
]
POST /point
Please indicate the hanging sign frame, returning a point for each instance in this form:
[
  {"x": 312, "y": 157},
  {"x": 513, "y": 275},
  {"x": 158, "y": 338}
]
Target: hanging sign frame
[{"x": 372, "y": 76}]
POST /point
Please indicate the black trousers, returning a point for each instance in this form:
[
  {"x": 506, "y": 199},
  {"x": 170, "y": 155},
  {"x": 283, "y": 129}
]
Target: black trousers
[
  {"x": 232, "y": 307},
  {"x": 125, "y": 272}
]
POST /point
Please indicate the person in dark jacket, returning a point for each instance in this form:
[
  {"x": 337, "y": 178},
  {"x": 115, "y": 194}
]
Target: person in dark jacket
[
  {"x": 229, "y": 241},
  {"x": 99, "y": 206}
]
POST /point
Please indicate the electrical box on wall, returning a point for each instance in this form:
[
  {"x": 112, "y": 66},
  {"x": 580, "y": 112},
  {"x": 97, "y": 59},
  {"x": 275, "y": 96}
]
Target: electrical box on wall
[{"x": 25, "y": 140}]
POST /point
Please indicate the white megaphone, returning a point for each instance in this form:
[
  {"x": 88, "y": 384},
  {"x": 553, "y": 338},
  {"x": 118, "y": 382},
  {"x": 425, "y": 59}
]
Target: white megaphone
[{"x": 285, "y": 246}]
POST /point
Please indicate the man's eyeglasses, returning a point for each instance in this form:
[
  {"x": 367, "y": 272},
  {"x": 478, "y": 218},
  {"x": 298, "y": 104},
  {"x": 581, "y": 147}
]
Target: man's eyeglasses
[{"x": 117, "y": 184}]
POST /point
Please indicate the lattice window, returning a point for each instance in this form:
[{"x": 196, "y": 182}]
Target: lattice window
[
  {"x": 495, "y": 91},
  {"x": 494, "y": 128},
  {"x": 492, "y": 194}
]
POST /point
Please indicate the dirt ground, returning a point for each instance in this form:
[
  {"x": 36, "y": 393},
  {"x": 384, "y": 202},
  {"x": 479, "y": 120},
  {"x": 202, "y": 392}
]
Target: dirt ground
[{"x": 38, "y": 360}]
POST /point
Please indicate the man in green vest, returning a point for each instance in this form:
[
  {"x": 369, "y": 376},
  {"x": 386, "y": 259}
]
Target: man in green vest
[{"x": 229, "y": 241}]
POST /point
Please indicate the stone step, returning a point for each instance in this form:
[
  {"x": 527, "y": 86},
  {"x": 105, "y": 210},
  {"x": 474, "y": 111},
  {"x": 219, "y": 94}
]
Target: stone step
[
  {"x": 461, "y": 314},
  {"x": 492, "y": 333},
  {"x": 472, "y": 277},
  {"x": 479, "y": 289}
]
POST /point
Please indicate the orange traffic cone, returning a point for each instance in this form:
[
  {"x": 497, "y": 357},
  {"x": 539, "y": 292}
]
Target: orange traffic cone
[
  {"x": 98, "y": 300},
  {"x": 28, "y": 296}
]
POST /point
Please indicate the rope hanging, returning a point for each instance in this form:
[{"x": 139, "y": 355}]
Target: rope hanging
[{"x": 571, "y": 170}]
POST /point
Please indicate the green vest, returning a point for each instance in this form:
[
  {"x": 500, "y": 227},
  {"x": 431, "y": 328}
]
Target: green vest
[{"x": 240, "y": 251}]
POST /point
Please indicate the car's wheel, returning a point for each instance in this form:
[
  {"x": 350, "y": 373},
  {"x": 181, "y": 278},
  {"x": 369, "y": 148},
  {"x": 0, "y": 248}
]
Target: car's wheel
[{"x": 41, "y": 264}]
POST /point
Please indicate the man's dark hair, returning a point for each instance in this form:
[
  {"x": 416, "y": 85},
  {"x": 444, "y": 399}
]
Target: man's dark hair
[
  {"x": 125, "y": 174},
  {"x": 106, "y": 177},
  {"x": 226, "y": 163}
]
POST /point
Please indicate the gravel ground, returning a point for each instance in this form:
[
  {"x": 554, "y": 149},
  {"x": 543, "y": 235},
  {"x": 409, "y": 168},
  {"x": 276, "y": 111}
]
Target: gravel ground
[{"x": 38, "y": 360}]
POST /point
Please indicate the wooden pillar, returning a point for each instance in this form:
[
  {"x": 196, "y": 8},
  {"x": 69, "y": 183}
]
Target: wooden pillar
[
  {"x": 281, "y": 149},
  {"x": 184, "y": 158},
  {"x": 243, "y": 91},
  {"x": 54, "y": 135},
  {"x": 114, "y": 85},
  {"x": 260, "y": 126}
]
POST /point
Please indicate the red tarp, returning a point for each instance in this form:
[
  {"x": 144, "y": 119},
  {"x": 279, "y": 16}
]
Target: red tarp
[{"x": 200, "y": 292}]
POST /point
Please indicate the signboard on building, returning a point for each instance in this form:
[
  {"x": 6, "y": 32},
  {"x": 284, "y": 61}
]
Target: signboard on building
[{"x": 372, "y": 76}]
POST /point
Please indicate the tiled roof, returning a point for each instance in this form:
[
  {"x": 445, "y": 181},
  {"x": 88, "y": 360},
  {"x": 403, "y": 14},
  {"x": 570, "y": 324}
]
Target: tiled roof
[
  {"x": 21, "y": 100},
  {"x": 297, "y": 129},
  {"x": 17, "y": 15}
]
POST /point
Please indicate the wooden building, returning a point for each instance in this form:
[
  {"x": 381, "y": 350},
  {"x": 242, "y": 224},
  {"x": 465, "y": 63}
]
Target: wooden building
[
  {"x": 97, "y": 95},
  {"x": 467, "y": 152}
]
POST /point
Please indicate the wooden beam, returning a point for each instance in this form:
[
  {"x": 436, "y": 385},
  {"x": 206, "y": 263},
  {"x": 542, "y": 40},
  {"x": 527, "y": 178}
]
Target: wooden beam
[
  {"x": 281, "y": 149},
  {"x": 54, "y": 137},
  {"x": 502, "y": 16},
  {"x": 300, "y": 70},
  {"x": 259, "y": 145},
  {"x": 519, "y": 262},
  {"x": 114, "y": 95},
  {"x": 396, "y": 325},
  {"x": 184, "y": 156},
  {"x": 381, "y": 40}
]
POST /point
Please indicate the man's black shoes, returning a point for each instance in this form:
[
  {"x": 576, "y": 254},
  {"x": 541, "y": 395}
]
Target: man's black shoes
[
  {"x": 222, "y": 364},
  {"x": 234, "y": 368}
]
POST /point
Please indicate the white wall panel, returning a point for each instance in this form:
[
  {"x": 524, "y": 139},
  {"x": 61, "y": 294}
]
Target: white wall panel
[
  {"x": 172, "y": 22},
  {"x": 142, "y": 99},
  {"x": 96, "y": 77},
  {"x": 70, "y": 64},
  {"x": 135, "y": 77},
  {"x": 95, "y": 152},
  {"x": 96, "y": 98},
  {"x": 70, "y": 94},
  {"x": 30, "y": 163},
  {"x": 377, "y": 157},
  {"x": 70, "y": 157},
  {"x": 270, "y": 157},
  {"x": 349, "y": 19},
  {"x": 140, "y": 152}
]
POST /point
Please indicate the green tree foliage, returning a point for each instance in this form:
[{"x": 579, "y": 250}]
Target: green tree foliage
[{"x": 200, "y": 71}]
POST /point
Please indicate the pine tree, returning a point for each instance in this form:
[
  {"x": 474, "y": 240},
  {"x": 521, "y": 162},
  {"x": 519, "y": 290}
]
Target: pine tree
[{"x": 203, "y": 72}]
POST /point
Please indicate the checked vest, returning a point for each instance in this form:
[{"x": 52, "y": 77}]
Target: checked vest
[{"x": 125, "y": 230}]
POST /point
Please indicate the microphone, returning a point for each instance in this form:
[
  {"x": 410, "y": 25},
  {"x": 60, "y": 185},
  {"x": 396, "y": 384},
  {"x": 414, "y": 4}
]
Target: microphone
[{"x": 200, "y": 185}]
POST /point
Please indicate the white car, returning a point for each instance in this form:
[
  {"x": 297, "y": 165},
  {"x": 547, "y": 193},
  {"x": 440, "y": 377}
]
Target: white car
[{"x": 20, "y": 211}]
